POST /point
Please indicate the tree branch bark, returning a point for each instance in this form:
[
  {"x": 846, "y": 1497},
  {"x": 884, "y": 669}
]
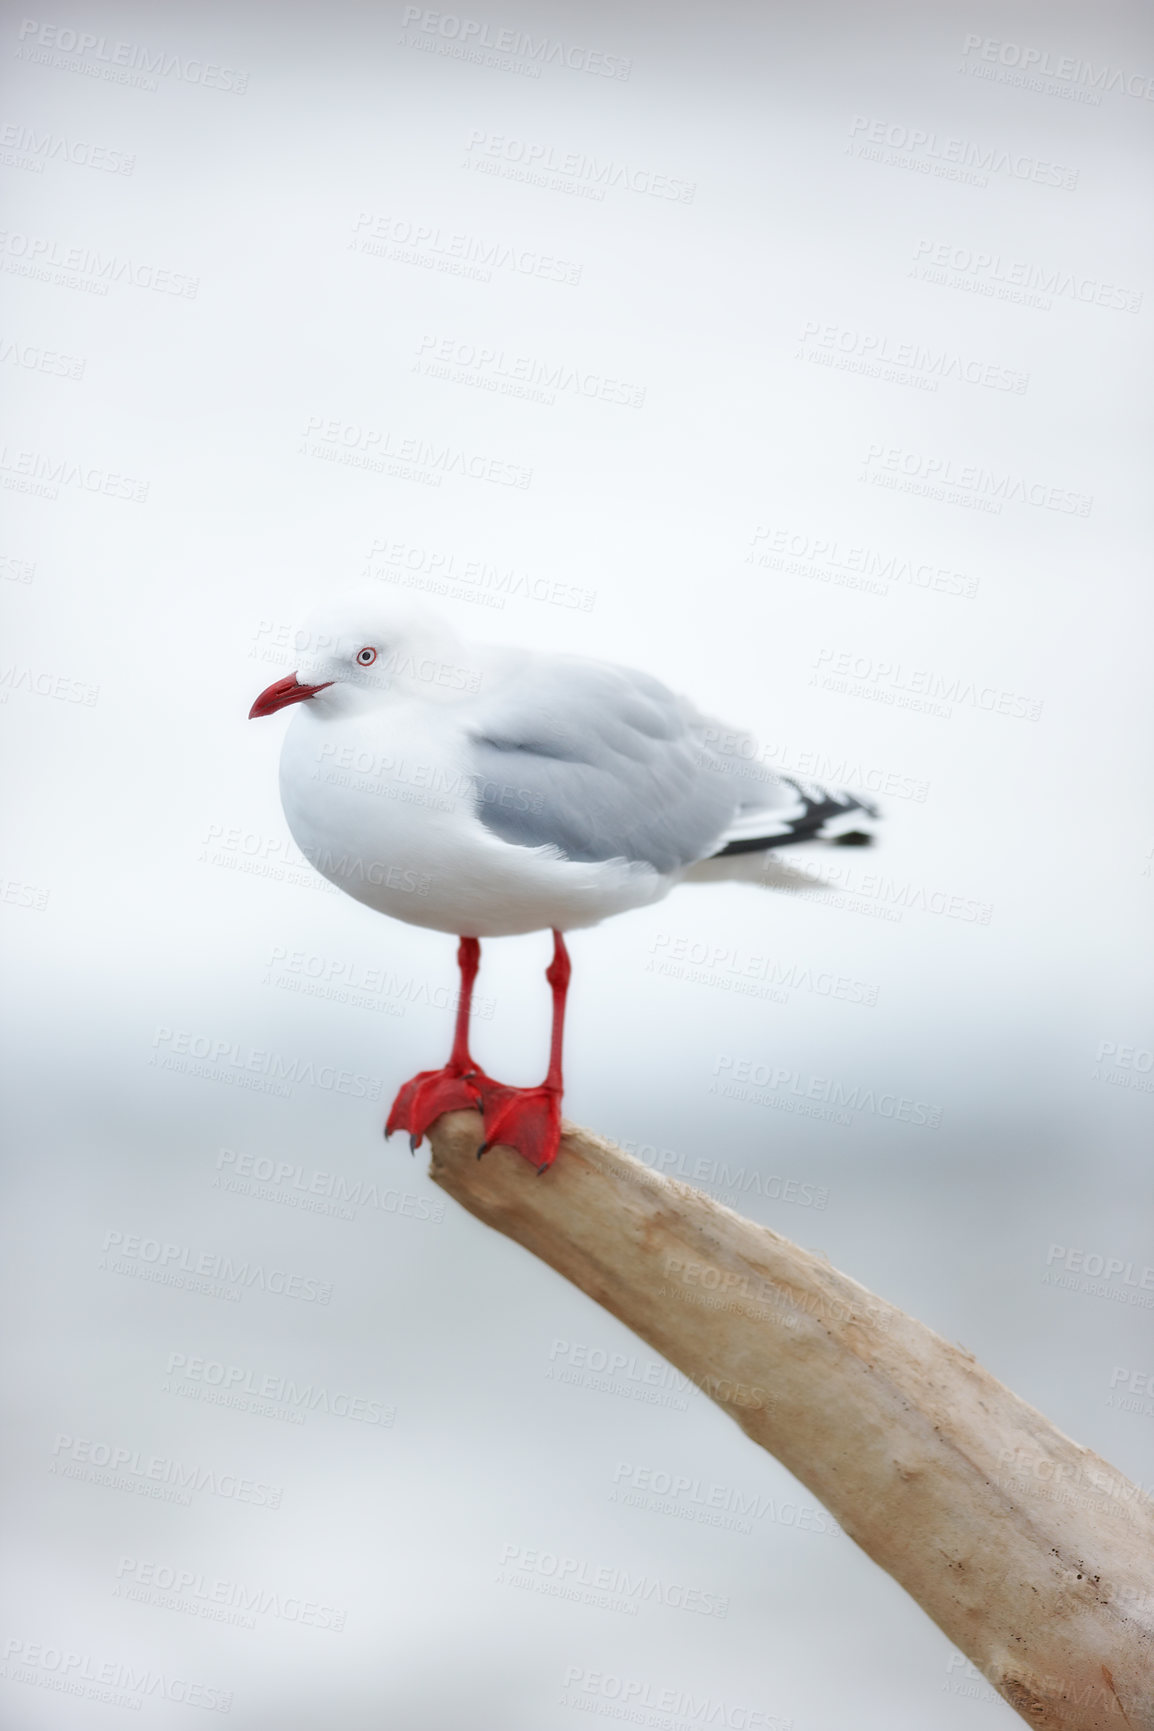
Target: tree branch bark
[{"x": 1031, "y": 1553}]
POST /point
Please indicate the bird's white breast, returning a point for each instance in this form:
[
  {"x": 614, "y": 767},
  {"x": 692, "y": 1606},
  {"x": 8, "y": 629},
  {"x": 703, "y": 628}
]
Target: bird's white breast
[{"x": 383, "y": 804}]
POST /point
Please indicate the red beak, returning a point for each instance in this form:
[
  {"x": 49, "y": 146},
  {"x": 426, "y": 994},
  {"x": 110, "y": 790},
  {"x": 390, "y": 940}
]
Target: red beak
[{"x": 284, "y": 692}]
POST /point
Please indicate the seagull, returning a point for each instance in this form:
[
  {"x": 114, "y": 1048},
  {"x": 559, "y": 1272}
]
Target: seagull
[{"x": 489, "y": 791}]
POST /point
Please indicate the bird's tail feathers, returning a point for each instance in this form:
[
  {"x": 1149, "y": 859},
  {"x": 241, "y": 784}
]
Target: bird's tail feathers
[{"x": 813, "y": 814}]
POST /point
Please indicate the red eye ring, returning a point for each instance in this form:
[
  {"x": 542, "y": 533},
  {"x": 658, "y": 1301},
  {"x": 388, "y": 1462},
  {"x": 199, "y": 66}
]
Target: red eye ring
[{"x": 366, "y": 656}]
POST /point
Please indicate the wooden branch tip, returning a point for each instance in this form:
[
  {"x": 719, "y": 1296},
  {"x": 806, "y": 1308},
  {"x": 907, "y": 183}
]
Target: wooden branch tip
[{"x": 1032, "y": 1554}]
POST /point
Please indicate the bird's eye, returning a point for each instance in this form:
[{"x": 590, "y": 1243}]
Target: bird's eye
[{"x": 366, "y": 656}]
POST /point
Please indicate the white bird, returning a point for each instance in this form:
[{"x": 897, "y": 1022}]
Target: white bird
[{"x": 489, "y": 791}]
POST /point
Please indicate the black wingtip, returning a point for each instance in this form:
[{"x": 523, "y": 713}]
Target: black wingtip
[{"x": 853, "y": 838}]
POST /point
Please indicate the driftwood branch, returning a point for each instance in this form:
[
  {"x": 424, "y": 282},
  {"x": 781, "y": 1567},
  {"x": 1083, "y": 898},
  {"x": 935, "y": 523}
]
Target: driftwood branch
[{"x": 1032, "y": 1554}]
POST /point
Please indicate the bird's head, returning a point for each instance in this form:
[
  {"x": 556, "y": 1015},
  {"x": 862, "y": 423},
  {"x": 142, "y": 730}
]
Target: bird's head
[{"x": 359, "y": 652}]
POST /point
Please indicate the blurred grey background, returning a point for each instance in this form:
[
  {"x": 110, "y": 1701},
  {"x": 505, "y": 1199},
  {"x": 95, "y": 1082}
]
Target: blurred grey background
[{"x": 793, "y": 354}]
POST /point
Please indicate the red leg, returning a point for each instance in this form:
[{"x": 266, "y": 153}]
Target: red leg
[
  {"x": 456, "y": 1088},
  {"x": 528, "y": 1120}
]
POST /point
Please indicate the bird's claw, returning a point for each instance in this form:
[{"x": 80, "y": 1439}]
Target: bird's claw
[
  {"x": 422, "y": 1099},
  {"x": 528, "y": 1120}
]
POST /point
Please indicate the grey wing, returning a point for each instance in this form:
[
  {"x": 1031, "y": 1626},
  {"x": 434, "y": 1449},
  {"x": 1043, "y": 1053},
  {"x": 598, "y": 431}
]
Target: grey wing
[{"x": 602, "y": 762}]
